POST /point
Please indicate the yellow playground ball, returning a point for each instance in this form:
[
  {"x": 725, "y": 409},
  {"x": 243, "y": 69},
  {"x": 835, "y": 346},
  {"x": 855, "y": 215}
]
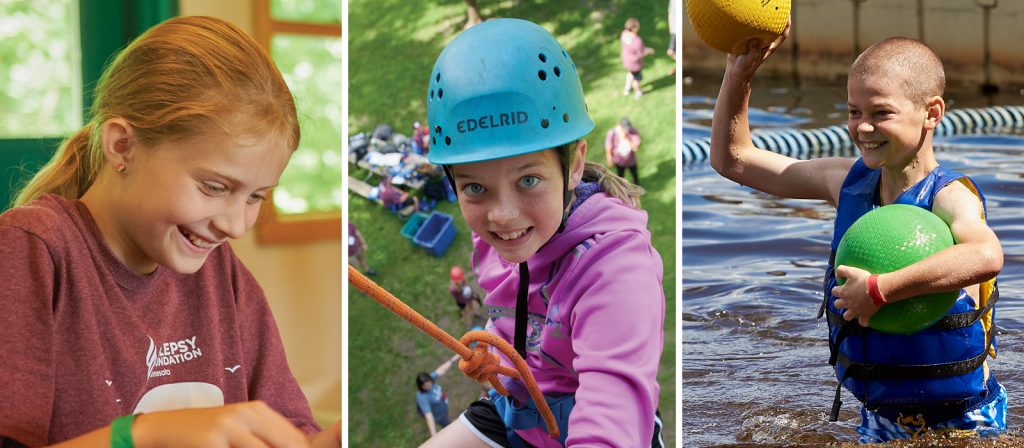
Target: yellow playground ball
[{"x": 727, "y": 25}]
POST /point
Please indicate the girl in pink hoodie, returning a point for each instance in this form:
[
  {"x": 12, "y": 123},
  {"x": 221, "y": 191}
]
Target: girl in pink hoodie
[{"x": 560, "y": 244}]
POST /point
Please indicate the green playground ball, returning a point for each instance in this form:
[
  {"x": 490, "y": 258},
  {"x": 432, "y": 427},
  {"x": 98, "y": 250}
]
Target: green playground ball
[{"x": 890, "y": 238}]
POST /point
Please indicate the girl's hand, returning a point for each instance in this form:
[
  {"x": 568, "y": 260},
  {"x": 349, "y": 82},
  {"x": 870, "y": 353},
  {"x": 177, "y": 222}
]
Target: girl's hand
[
  {"x": 853, "y": 295},
  {"x": 251, "y": 424},
  {"x": 742, "y": 67},
  {"x": 328, "y": 438}
]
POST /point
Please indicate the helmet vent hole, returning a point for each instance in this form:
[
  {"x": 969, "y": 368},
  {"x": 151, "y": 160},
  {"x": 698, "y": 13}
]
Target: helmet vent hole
[
  {"x": 440, "y": 93},
  {"x": 431, "y": 93},
  {"x": 448, "y": 140},
  {"x": 544, "y": 123},
  {"x": 433, "y": 140},
  {"x": 558, "y": 72},
  {"x": 542, "y": 57},
  {"x": 563, "y": 54},
  {"x": 437, "y": 129},
  {"x": 542, "y": 75},
  {"x": 565, "y": 118},
  {"x": 438, "y": 77}
]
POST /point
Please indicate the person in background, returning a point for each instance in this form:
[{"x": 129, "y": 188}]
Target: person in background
[
  {"x": 633, "y": 53},
  {"x": 392, "y": 197},
  {"x": 467, "y": 299},
  {"x": 673, "y": 6},
  {"x": 620, "y": 146},
  {"x": 357, "y": 249},
  {"x": 431, "y": 401},
  {"x": 420, "y": 138}
]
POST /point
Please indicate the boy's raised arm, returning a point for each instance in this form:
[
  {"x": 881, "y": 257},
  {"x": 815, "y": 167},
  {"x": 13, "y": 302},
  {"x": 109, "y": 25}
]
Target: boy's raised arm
[{"x": 734, "y": 155}]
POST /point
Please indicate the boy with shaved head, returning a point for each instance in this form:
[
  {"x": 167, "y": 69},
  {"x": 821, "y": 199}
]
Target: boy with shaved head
[{"x": 934, "y": 380}]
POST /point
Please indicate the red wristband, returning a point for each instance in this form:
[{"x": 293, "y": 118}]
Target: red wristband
[{"x": 876, "y": 295}]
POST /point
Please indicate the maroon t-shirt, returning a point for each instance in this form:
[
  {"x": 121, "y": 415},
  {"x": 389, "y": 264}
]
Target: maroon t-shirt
[
  {"x": 85, "y": 339},
  {"x": 390, "y": 195}
]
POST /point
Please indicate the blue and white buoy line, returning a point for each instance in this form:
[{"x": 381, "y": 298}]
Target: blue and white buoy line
[{"x": 835, "y": 140}]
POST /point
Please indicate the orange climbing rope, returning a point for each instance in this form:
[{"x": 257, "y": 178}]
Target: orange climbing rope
[{"x": 477, "y": 363}]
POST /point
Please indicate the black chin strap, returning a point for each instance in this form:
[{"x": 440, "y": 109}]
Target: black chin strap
[
  {"x": 519, "y": 340},
  {"x": 451, "y": 177},
  {"x": 566, "y": 194}
]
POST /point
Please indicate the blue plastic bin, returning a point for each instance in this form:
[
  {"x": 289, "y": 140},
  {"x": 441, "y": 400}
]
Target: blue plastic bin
[
  {"x": 413, "y": 225},
  {"x": 436, "y": 233}
]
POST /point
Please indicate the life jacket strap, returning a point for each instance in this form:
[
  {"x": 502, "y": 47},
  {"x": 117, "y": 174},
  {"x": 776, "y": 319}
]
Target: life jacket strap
[
  {"x": 836, "y": 403},
  {"x": 829, "y": 269},
  {"x": 948, "y": 322},
  {"x": 873, "y": 371},
  {"x": 845, "y": 330},
  {"x": 961, "y": 320}
]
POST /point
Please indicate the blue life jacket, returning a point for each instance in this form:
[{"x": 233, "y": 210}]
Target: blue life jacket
[{"x": 937, "y": 371}]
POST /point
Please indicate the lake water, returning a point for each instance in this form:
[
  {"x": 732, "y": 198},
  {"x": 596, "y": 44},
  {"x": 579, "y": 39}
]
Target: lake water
[{"x": 755, "y": 360}]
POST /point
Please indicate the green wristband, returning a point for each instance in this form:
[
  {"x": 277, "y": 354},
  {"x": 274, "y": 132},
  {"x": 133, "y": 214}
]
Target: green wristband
[{"x": 121, "y": 432}]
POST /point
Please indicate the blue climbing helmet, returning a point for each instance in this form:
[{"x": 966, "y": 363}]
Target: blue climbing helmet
[
  {"x": 503, "y": 88},
  {"x": 500, "y": 89}
]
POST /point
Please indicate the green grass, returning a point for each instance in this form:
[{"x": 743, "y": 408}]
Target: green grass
[{"x": 392, "y": 46}]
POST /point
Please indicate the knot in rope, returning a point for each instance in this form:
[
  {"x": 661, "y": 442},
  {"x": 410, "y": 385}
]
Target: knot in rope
[{"x": 481, "y": 364}]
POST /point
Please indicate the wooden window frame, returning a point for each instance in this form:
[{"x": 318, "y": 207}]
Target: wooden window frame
[{"x": 273, "y": 227}]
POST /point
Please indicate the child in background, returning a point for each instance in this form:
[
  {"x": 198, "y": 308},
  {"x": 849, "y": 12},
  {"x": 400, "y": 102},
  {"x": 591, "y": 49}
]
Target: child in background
[
  {"x": 357, "y": 249},
  {"x": 420, "y": 139},
  {"x": 466, "y": 298},
  {"x": 431, "y": 401},
  {"x": 895, "y": 90},
  {"x": 394, "y": 198},
  {"x": 620, "y": 145},
  {"x": 125, "y": 299},
  {"x": 560, "y": 244},
  {"x": 673, "y": 6},
  {"x": 633, "y": 53}
]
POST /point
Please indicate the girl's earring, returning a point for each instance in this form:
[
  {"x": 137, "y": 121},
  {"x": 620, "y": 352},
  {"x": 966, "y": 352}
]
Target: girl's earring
[{"x": 120, "y": 167}]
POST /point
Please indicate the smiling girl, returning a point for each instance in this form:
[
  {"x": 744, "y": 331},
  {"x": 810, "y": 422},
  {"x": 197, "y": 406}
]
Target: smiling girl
[
  {"x": 120, "y": 297},
  {"x": 560, "y": 244}
]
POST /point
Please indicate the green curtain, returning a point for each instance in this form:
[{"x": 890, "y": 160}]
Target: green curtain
[{"x": 106, "y": 27}]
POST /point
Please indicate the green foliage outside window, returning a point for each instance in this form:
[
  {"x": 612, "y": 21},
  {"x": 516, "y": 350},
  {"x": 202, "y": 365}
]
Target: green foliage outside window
[
  {"x": 312, "y": 67},
  {"x": 310, "y": 11},
  {"x": 40, "y": 59}
]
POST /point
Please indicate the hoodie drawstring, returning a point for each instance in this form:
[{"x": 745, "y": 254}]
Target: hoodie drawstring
[{"x": 519, "y": 340}]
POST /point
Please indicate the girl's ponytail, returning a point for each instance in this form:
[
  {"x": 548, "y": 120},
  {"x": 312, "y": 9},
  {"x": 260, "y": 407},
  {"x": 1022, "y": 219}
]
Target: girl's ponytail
[
  {"x": 613, "y": 185},
  {"x": 70, "y": 172}
]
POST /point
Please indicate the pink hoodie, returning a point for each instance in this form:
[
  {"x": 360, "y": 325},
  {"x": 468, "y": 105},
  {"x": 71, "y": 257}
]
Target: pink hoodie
[{"x": 597, "y": 310}]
